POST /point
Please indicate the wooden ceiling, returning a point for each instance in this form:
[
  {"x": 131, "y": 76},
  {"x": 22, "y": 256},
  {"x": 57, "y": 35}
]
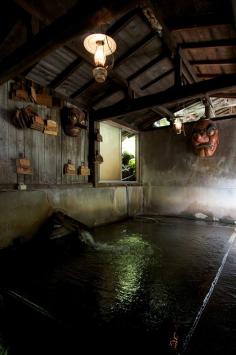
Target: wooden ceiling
[{"x": 155, "y": 72}]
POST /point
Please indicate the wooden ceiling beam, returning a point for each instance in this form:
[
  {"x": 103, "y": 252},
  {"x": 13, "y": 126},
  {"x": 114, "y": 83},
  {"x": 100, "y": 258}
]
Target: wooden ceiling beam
[
  {"x": 160, "y": 110},
  {"x": 163, "y": 111},
  {"x": 108, "y": 93},
  {"x": 183, "y": 69},
  {"x": 167, "y": 40},
  {"x": 228, "y": 42},
  {"x": 68, "y": 71},
  {"x": 58, "y": 33},
  {"x": 33, "y": 11},
  {"x": 222, "y": 118},
  {"x": 149, "y": 15},
  {"x": 114, "y": 77},
  {"x": 227, "y": 95},
  {"x": 112, "y": 31},
  {"x": 174, "y": 95},
  {"x": 147, "y": 66},
  {"x": 158, "y": 78},
  {"x": 142, "y": 43},
  {"x": 4, "y": 33},
  {"x": 234, "y": 11},
  {"x": 83, "y": 88},
  {"x": 183, "y": 66},
  {"x": 228, "y": 61},
  {"x": 119, "y": 61},
  {"x": 145, "y": 125},
  {"x": 209, "y": 75},
  {"x": 217, "y": 118},
  {"x": 122, "y": 22},
  {"x": 11, "y": 16},
  {"x": 190, "y": 23}
]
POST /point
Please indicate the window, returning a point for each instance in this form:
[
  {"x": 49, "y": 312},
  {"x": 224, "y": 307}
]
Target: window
[
  {"x": 119, "y": 152},
  {"x": 163, "y": 122},
  {"x": 128, "y": 149}
]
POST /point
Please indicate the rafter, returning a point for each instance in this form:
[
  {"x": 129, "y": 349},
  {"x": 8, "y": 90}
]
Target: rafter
[
  {"x": 82, "y": 89},
  {"x": 171, "y": 96},
  {"x": 218, "y": 118},
  {"x": 33, "y": 11},
  {"x": 147, "y": 123},
  {"x": 230, "y": 42},
  {"x": 108, "y": 93},
  {"x": 119, "y": 24},
  {"x": 142, "y": 43},
  {"x": 57, "y": 34},
  {"x": 119, "y": 61},
  {"x": 166, "y": 39},
  {"x": 208, "y": 75},
  {"x": 161, "y": 110},
  {"x": 228, "y": 61},
  {"x": 178, "y": 68},
  {"x": 147, "y": 66},
  {"x": 234, "y": 11},
  {"x": 6, "y": 29},
  {"x": 68, "y": 71},
  {"x": 230, "y": 95},
  {"x": 122, "y": 22},
  {"x": 183, "y": 66},
  {"x": 190, "y": 23},
  {"x": 158, "y": 78},
  {"x": 12, "y": 17}
]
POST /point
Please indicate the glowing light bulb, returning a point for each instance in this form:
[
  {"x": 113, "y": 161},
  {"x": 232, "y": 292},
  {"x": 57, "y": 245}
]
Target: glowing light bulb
[
  {"x": 100, "y": 46},
  {"x": 99, "y": 55},
  {"x": 178, "y": 125}
]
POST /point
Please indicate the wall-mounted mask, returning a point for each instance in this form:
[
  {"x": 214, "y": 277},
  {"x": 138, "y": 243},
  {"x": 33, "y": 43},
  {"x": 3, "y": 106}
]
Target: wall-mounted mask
[
  {"x": 205, "y": 138},
  {"x": 73, "y": 120}
]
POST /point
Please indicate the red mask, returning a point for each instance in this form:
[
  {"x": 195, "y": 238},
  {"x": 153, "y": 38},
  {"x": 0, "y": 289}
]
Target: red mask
[{"x": 205, "y": 138}]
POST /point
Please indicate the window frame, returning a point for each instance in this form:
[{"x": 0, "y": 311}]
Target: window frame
[{"x": 110, "y": 183}]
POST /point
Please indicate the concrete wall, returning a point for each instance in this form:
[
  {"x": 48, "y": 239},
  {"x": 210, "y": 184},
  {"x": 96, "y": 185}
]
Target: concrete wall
[
  {"x": 176, "y": 182},
  {"x": 22, "y": 212}
]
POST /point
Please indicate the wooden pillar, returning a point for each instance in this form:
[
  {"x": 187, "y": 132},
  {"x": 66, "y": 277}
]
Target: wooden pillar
[
  {"x": 178, "y": 67},
  {"x": 92, "y": 150}
]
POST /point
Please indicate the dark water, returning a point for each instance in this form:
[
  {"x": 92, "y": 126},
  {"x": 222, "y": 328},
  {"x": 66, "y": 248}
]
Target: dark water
[
  {"x": 143, "y": 280},
  {"x": 162, "y": 276}
]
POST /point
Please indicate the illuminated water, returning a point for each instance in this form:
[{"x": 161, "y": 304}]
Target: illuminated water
[{"x": 141, "y": 281}]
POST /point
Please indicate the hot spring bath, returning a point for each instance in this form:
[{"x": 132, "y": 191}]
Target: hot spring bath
[{"x": 140, "y": 282}]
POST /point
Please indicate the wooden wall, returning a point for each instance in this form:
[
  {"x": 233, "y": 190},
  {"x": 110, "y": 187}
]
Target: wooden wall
[{"x": 48, "y": 154}]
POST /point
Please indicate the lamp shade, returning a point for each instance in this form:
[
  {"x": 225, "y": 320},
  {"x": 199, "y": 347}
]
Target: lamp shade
[{"x": 90, "y": 43}]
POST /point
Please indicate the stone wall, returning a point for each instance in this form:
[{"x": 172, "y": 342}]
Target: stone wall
[
  {"x": 176, "y": 182},
  {"x": 22, "y": 212}
]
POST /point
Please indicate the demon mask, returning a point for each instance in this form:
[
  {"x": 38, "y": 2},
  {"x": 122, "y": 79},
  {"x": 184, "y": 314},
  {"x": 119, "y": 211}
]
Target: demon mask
[
  {"x": 73, "y": 120},
  {"x": 205, "y": 138}
]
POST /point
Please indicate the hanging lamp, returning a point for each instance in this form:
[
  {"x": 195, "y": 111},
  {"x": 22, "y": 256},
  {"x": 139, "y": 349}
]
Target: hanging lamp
[
  {"x": 178, "y": 125},
  {"x": 101, "y": 46}
]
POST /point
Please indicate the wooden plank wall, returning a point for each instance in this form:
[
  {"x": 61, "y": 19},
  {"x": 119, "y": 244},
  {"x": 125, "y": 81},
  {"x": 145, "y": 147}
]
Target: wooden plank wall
[{"x": 48, "y": 154}]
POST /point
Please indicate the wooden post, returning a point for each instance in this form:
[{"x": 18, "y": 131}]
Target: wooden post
[
  {"x": 178, "y": 67},
  {"x": 92, "y": 148}
]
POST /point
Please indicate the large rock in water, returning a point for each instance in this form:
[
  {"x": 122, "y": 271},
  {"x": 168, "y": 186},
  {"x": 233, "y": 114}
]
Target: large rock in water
[
  {"x": 60, "y": 226},
  {"x": 59, "y": 238}
]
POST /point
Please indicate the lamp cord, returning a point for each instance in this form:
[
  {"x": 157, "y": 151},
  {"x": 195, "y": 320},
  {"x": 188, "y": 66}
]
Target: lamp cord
[{"x": 112, "y": 55}]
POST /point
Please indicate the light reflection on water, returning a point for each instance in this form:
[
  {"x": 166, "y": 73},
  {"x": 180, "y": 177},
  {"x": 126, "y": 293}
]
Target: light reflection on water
[
  {"x": 159, "y": 272},
  {"x": 127, "y": 261},
  {"x": 140, "y": 275},
  {"x": 130, "y": 268}
]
